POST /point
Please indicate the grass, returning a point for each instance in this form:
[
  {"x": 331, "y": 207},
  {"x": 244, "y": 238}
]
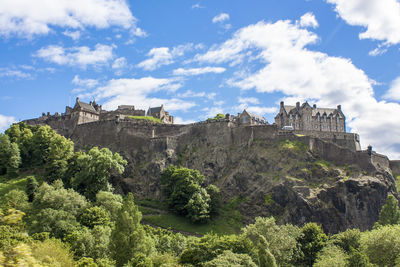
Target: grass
[
  {"x": 229, "y": 221},
  {"x": 148, "y": 118},
  {"x": 293, "y": 145},
  {"x": 268, "y": 199}
]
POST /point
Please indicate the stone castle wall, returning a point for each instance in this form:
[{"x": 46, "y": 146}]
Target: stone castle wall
[{"x": 395, "y": 166}]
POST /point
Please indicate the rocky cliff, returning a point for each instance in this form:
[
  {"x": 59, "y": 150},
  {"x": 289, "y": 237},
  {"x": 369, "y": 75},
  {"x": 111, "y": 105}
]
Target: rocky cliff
[{"x": 296, "y": 178}]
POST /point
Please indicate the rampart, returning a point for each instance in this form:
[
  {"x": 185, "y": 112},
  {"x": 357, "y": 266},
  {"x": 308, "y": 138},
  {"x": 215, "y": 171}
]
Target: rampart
[{"x": 395, "y": 166}]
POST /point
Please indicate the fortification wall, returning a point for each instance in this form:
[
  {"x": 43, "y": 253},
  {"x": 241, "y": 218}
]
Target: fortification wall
[
  {"x": 348, "y": 140},
  {"x": 63, "y": 125},
  {"x": 395, "y": 166}
]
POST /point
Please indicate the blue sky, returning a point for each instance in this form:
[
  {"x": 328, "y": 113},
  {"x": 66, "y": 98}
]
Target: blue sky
[{"x": 199, "y": 58}]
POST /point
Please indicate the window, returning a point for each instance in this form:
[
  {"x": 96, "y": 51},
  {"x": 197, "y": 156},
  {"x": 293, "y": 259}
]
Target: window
[
  {"x": 244, "y": 119},
  {"x": 322, "y": 127},
  {"x": 316, "y": 126}
]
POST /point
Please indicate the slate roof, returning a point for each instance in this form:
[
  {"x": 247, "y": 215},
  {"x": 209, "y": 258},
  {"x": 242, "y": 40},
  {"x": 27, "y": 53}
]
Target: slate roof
[
  {"x": 85, "y": 107},
  {"x": 256, "y": 117},
  {"x": 154, "y": 110}
]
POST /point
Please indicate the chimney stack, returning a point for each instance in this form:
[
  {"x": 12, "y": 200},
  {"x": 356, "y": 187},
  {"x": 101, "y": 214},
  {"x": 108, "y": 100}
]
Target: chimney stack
[
  {"x": 314, "y": 106},
  {"x": 339, "y": 107},
  {"x": 298, "y": 105},
  {"x": 282, "y": 103}
]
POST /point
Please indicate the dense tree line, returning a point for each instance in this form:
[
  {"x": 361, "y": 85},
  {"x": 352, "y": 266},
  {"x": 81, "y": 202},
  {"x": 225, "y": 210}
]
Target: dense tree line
[{"x": 60, "y": 220}]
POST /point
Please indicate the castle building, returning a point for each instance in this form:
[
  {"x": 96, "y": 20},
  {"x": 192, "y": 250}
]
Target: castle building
[
  {"x": 160, "y": 113},
  {"x": 306, "y": 118},
  {"x": 84, "y": 112},
  {"x": 248, "y": 118}
]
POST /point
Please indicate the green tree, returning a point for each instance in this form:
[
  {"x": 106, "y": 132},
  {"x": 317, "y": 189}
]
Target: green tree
[
  {"x": 128, "y": 237},
  {"x": 22, "y": 134},
  {"x": 230, "y": 259},
  {"x": 96, "y": 168},
  {"x": 311, "y": 240},
  {"x": 278, "y": 240},
  {"x": 15, "y": 199},
  {"x": 217, "y": 117},
  {"x": 31, "y": 187},
  {"x": 185, "y": 195},
  {"x": 110, "y": 202},
  {"x": 10, "y": 158},
  {"x": 390, "y": 213},
  {"x": 60, "y": 150},
  {"x": 331, "y": 256},
  {"x": 95, "y": 216},
  {"x": 198, "y": 206},
  {"x": 215, "y": 195},
  {"x": 382, "y": 245}
]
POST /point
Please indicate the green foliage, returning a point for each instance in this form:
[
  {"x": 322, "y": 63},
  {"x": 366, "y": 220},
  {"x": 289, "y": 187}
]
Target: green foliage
[
  {"x": 95, "y": 216},
  {"x": 348, "y": 240},
  {"x": 93, "y": 243},
  {"x": 198, "y": 206},
  {"x": 382, "y": 245},
  {"x": 53, "y": 252},
  {"x": 281, "y": 240},
  {"x": 31, "y": 187},
  {"x": 56, "y": 209},
  {"x": 311, "y": 240},
  {"x": 215, "y": 195},
  {"x": 11, "y": 236},
  {"x": 296, "y": 146},
  {"x": 10, "y": 158},
  {"x": 86, "y": 262},
  {"x": 15, "y": 199},
  {"x": 147, "y": 118},
  {"x": 185, "y": 195},
  {"x": 128, "y": 237},
  {"x": 390, "y": 213},
  {"x": 230, "y": 259},
  {"x": 96, "y": 167},
  {"x": 210, "y": 246},
  {"x": 112, "y": 203},
  {"x": 332, "y": 256},
  {"x": 217, "y": 117}
]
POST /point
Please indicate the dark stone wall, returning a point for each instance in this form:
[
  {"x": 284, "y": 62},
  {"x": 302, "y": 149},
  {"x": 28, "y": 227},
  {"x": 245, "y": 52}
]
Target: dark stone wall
[{"x": 395, "y": 166}]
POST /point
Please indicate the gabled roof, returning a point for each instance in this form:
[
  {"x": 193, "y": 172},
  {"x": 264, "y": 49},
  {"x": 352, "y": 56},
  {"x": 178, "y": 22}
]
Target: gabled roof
[
  {"x": 155, "y": 110},
  {"x": 84, "y": 107},
  {"x": 255, "y": 116},
  {"x": 327, "y": 111},
  {"x": 288, "y": 108}
]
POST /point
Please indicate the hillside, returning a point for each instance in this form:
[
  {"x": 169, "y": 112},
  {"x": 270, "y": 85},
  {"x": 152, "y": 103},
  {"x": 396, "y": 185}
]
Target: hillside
[{"x": 295, "y": 178}]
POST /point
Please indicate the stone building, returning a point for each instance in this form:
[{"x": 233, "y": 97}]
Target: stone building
[
  {"x": 306, "y": 118},
  {"x": 248, "y": 118},
  {"x": 160, "y": 113},
  {"x": 84, "y": 112}
]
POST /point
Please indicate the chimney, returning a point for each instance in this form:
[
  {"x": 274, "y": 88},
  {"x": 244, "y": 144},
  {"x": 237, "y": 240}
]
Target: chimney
[
  {"x": 282, "y": 103},
  {"x": 77, "y": 100},
  {"x": 298, "y": 105},
  {"x": 314, "y": 106},
  {"x": 339, "y": 107}
]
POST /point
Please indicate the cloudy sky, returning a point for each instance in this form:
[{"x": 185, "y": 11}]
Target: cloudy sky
[{"x": 199, "y": 58}]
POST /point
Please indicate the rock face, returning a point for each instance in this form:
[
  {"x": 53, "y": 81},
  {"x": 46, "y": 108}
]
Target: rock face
[{"x": 294, "y": 178}]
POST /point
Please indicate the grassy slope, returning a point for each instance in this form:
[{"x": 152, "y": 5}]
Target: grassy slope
[{"x": 149, "y": 118}]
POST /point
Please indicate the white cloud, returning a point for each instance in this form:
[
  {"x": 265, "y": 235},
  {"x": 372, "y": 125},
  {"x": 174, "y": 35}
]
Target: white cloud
[
  {"x": 394, "y": 92},
  {"x": 179, "y": 120},
  {"x": 137, "y": 92},
  {"x": 308, "y": 20},
  {"x": 380, "y": 18},
  {"x": 198, "y": 71},
  {"x": 26, "y": 18},
  {"x": 248, "y": 100},
  {"x": 380, "y": 50},
  {"x": 197, "y": 6},
  {"x": 81, "y": 56},
  {"x": 220, "y": 18},
  {"x": 210, "y": 112},
  {"x": 74, "y": 35},
  {"x": 289, "y": 67},
  {"x": 88, "y": 83},
  {"x": 5, "y": 122},
  {"x": 12, "y": 72},
  {"x": 160, "y": 56},
  {"x": 190, "y": 93},
  {"x": 119, "y": 65}
]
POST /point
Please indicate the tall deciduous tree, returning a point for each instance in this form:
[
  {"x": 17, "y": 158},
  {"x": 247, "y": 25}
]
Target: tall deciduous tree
[
  {"x": 390, "y": 213},
  {"x": 10, "y": 158},
  {"x": 128, "y": 237},
  {"x": 95, "y": 169}
]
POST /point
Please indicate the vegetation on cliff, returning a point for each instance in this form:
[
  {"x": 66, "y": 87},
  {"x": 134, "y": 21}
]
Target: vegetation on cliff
[{"x": 61, "y": 211}]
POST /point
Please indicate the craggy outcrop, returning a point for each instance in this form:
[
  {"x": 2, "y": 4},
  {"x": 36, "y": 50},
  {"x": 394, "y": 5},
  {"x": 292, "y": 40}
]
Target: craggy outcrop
[{"x": 296, "y": 178}]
